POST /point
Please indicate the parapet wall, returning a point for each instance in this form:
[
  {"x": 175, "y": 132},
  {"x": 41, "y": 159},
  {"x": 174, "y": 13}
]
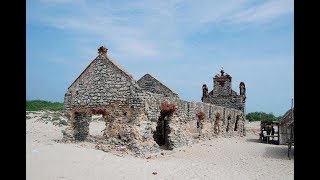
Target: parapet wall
[
  {"x": 228, "y": 101},
  {"x": 183, "y": 123}
]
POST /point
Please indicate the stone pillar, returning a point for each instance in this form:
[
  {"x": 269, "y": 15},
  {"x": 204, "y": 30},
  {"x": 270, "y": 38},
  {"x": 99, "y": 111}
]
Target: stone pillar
[
  {"x": 68, "y": 133},
  {"x": 217, "y": 124},
  {"x": 171, "y": 141},
  {"x": 81, "y": 125}
]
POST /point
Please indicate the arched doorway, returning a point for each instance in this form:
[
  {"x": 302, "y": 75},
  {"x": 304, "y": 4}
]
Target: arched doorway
[
  {"x": 97, "y": 126},
  {"x": 82, "y": 120}
]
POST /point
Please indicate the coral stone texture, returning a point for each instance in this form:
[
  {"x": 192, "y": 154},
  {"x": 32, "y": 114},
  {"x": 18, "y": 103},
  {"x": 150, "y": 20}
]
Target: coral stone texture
[{"x": 146, "y": 116}]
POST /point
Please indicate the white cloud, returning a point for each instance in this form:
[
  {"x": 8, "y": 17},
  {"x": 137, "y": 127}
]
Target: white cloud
[
  {"x": 263, "y": 12},
  {"x": 137, "y": 47},
  {"x": 145, "y": 28},
  {"x": 58, "y": 2},
  {"x": 161, "y": 30}
]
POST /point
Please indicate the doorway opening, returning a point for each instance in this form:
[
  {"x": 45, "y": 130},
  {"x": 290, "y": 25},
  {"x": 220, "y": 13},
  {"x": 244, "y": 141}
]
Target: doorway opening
[
  {"x": 162, "y": 131},
  {"x": 217, "y": 124},
  {"x": 236, "y": 123},
  {"x": 228, "y": 122},
  {"x": 96, "y": 126},
  {"x": 161, "y": 135}
]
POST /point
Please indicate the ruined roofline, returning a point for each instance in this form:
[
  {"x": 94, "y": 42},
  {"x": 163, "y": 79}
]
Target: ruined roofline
[
  {"x": 288, "y": 113},
  {"x": 287, "y": 117},
  {"x": 83, "y": 71},
  {"x": 106, "y": 58},
  {"x": 103, "y": 52},
  {"x": 159, "y": 82},
  {"x": 120, "y": 68}
]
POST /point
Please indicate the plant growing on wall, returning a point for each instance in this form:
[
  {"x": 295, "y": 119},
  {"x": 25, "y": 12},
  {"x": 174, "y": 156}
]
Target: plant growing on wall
[
  {"x": 167, "y": 108},
  {"x": 200, "y": 115}
]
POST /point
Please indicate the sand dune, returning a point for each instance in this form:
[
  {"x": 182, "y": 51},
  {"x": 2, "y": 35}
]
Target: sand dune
[{"x": 220, "y": 158}]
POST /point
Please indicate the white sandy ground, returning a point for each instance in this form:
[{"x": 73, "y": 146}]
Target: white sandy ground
[{"x": 220, "y": 158}]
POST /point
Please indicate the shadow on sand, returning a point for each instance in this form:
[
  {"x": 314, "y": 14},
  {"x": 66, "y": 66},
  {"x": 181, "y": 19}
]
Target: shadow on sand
[
  {"x": 259, "y": 141},
  {"x": 253, "y": 140},
  {"x": 278, "y": 152}
]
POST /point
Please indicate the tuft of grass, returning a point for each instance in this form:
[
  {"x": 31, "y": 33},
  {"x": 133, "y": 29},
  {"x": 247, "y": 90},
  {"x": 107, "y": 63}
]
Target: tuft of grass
[
  {"x": 38, "y": 105},
  {"x": 45, "y": 116},
  {"x": 56, "y": 119},
  {"x": 63, "y": 122}
]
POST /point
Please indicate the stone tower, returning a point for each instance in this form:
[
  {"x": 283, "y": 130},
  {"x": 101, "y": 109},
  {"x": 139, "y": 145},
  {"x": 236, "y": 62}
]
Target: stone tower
[
  {"x": 222, "y": 84},
  {"x": 222, "y": 93}
]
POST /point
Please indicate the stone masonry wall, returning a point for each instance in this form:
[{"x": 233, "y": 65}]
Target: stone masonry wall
[
  {"x": 149, "y": 83},
  {"x": 131, "y": 113},
  {"x": 219, "y": 89},
  {"x": 222, "y": 93},
  {"x": 102, "y": 83},
  {"x": 134, "y": 126},
  {"x": 183, "y": 123},
  {"x": 230, "y": 102}
]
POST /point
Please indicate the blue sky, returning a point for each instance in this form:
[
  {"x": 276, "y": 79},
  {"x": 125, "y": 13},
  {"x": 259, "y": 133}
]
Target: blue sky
[{"x": 181, "y": 43}]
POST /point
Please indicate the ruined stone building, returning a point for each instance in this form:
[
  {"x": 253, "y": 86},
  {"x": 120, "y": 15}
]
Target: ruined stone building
[
  {"x": 286, "y": 127},
  {"x": 149, "y": 83},
  {"x": 222, "y": 93},
  {"x": 144, "y": 115}
]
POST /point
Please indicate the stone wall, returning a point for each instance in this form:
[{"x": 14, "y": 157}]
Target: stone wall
[
  {"x": 101, "y": 84},
  {"x": 134, "y": 117},
  {"x": 183, "y": 123},
  {"x": 151, "y": 84},
  {"x": 286, "y": 127},
  {"x": 222, "y": 86},
  {"x": 135, "y": 125},
  {"x": 235, "y": 102}
]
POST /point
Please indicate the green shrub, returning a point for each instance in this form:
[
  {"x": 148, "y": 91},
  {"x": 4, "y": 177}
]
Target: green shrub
[
  {"x": 261, "y": 116},
  {"x": 55, "y": 119},
  {"x": 38, "y": 105}
]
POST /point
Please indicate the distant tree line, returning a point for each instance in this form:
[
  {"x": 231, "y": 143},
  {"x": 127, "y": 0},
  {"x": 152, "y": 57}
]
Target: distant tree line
[
  {"x": 38, "y": 105},
  {"x": 262, "y": 116}
]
